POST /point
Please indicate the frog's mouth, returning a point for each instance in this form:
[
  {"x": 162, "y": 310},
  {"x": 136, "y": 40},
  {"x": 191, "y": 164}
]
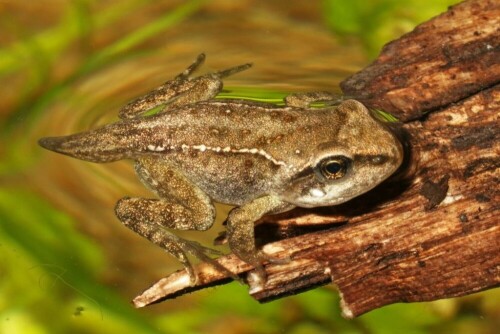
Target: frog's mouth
[
  {"x": 319, "y": 196},
  {"x": 309, "y": 193}
]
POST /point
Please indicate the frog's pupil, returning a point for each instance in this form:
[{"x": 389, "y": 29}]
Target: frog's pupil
[{"x": 333, "y": 167}]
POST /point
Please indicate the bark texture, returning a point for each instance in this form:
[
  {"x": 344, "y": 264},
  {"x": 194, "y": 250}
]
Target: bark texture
[
  {"x": 432, "y": 231},
  {"x": 444, "y": 60}
]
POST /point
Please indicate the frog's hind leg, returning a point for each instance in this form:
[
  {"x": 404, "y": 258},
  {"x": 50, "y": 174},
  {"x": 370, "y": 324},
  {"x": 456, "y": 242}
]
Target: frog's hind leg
[
  {"x": 184, "y": 75},
  {"x": 181, "y": 206},
  {"x": 182, "y": 90},
  {"x": 150, "y": 218}
]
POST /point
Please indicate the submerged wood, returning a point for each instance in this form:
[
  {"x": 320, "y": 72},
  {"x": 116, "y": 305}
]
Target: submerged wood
[{"x": 433, "y": 231}]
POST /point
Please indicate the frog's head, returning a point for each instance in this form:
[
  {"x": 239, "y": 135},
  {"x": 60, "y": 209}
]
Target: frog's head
[{"x": 362, "y": 154}]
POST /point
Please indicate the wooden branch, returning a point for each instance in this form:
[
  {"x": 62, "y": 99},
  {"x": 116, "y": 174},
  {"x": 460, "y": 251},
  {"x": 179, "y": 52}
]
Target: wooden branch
[
  {"x": 440, "y": 62},
  {"x": 431, "y": 233}
]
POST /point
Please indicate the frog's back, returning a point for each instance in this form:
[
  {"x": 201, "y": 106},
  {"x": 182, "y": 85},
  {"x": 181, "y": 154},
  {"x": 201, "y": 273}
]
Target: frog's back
[
  {"x": 233, "y": 150},
  {"x": 236, "y": 151}
]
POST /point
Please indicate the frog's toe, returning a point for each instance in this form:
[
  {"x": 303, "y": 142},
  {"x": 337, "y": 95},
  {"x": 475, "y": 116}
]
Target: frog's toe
[
  {"x": 256, "y": 279},
  {"x": 203, "y": 254},
  {"x": 198, "y": 250},
  {"x": 193, "y": 278}
]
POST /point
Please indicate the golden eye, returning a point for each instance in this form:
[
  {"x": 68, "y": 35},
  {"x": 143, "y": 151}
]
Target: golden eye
[{"x": 334, "y": 167}]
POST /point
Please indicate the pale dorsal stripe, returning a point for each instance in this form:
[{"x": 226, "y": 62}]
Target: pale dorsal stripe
[{"x": 218, "y": 149}]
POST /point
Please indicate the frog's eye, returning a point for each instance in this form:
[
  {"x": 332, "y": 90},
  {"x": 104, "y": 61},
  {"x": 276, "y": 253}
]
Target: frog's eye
[{"x": 333, "y": 168}]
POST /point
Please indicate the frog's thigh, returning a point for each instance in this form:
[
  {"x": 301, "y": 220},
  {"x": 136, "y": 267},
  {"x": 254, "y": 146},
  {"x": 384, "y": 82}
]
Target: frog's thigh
[
  {"x": 303, "y": 100},
  {"x": 184, "y": 205},
  {"x": 240, "y": 227}
]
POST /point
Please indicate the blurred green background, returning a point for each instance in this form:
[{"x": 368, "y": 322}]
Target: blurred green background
[{"x": 67, "y": 265}]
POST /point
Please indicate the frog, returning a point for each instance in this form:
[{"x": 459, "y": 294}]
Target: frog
[{"x": 261, "y": 158}]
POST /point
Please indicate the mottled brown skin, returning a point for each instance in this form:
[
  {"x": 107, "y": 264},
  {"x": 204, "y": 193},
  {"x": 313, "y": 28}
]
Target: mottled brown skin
[{"x": 260, "y": 157}]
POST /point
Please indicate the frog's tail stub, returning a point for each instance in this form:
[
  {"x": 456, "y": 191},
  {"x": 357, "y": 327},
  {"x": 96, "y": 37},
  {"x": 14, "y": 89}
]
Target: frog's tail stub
[{"x": 93, "y": 146}]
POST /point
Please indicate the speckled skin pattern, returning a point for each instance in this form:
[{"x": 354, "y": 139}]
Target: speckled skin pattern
[{"x": 260, "y": 157}]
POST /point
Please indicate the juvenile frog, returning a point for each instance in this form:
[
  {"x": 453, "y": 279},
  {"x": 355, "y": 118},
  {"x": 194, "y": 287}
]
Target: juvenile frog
[{"x": 260, "y": 157}]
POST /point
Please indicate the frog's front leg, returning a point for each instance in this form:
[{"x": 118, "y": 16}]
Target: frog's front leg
[
  {"x": 304, "y": 100},
  {"x": 181, "y": 206},
  {"x": 240, "y": 228},
  {"x": 181, "y": 90}
]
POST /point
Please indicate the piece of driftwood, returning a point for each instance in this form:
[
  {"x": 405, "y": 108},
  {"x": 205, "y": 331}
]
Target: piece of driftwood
[
  {"x": 433, "y": 231},
  {"x": 444, "y": 60}
]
